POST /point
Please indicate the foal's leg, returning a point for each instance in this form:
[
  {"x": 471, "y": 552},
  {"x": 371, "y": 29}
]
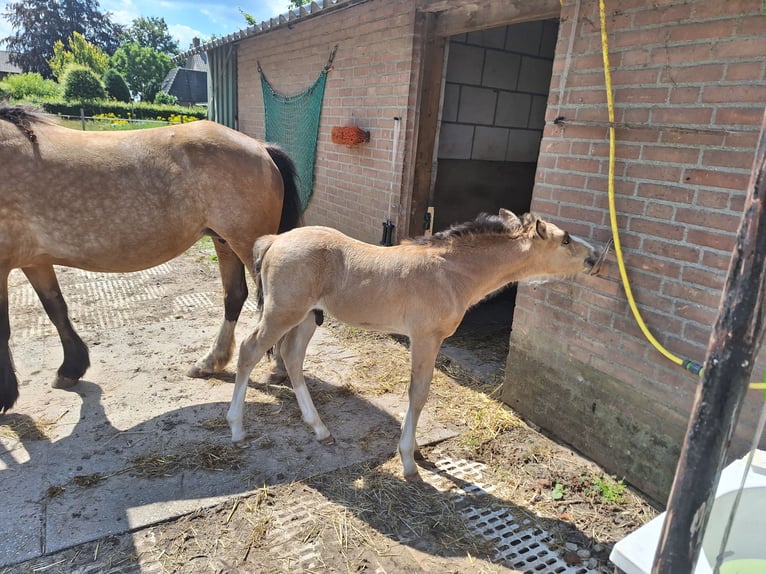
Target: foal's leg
[
  {"x": 9, "y": 384},
  {"x": 423, "y": 351},
  {"x": 251, "y": 351},
  {"x": 76, "y": 361},
  {"x": 234, "y": 295},
  {"x": 293, "y": 349}
]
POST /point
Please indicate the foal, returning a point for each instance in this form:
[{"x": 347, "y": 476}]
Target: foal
[{"x": 421, "y": 289}]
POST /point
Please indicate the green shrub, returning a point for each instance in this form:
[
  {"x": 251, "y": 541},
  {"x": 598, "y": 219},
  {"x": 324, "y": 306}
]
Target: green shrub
[
  {"x": 29, "y": 86},
  {"x": 116, "y": 86},
  {"x": 131, "y": 110},
  {"x": 165, "y": 98},
  {"x": 82, "y": 84}
]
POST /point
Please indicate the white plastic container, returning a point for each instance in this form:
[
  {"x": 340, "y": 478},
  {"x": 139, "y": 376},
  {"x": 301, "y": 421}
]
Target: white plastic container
[{"x": 746, "y": 548}]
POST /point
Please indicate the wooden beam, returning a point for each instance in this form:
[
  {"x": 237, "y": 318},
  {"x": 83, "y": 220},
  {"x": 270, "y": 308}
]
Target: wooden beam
[
  {"x": 458, "y": 16},
  {"x": 737, "y": 334},
  {"x": 431, "y": 72}
]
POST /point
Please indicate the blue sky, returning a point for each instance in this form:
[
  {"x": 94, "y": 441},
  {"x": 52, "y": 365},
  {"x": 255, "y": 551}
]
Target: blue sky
[{"x": 185, "y": 18}]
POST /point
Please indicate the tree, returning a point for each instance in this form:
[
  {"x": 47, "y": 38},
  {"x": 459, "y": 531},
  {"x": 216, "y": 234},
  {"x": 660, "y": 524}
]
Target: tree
[
  {"x": 116, "y": 86},
  {"x": 143, "y": 68},
  {"x": 152, "y": 33},
  {"x": 81, "y": 84},
  {"x": 80, "y": 52},
  {"x": 298, "y": 3},
  {"x": 38, "y": 24}
]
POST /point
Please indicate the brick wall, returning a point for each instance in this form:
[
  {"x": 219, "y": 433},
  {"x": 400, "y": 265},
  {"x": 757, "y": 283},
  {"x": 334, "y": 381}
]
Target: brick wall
[
  {"x": 690, "y": 76},
  {"x": 371, "y": 82}
]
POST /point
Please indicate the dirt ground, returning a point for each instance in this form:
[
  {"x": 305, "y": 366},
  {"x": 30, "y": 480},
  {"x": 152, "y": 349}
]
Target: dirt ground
[{"x": 498, "y": 497}]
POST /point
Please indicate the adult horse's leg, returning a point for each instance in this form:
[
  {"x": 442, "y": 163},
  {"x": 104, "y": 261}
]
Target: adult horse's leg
[
  {"x": 293, "y": 349},
  {"x": 76, "y": 360},
  {"x": 423, "y": 350},
  {"x": 234, "y": 295},
  {"x": 9, "y": 385}
]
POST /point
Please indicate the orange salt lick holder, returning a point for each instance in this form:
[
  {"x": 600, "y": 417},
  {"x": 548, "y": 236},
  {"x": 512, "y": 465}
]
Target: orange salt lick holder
[{"x": 349, "y": 135}]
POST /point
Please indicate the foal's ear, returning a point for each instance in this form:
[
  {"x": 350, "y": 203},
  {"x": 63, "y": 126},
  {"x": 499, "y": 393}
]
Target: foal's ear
[
  {"x": 509, "y": 218},
  {"x": 541, "y": 229}
]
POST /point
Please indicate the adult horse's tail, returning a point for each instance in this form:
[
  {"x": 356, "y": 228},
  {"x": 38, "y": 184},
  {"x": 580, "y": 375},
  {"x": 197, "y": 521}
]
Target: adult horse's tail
[{"x": 291, "y": 204}]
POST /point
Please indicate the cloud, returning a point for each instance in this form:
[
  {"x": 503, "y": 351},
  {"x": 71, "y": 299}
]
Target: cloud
[{"x": 185, "y": 34}]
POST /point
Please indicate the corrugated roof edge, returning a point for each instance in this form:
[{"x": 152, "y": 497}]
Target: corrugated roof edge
[{"x": 289, "y": 18}]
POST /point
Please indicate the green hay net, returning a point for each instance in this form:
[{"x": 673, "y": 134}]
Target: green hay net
[{"x": 293, "y": 123}]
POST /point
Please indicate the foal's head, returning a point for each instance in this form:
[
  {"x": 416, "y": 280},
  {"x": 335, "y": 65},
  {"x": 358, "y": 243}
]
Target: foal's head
[{"x": 552, "y": 252}]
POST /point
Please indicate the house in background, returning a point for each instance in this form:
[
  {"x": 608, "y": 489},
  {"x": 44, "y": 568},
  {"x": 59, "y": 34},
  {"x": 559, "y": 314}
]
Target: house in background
[
  {"x": 188, "y": 82},
  {"x": 6, "y": 68}
]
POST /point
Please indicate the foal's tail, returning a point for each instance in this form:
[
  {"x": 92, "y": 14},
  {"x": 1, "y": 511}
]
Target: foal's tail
[
  {"x": 260, "y": 248},
  {"x": 291, "y": 204}
]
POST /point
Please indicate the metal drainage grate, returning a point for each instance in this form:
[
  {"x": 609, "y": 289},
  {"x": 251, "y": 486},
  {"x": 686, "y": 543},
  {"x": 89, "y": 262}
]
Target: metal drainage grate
[{"x": 518, "y": 543}]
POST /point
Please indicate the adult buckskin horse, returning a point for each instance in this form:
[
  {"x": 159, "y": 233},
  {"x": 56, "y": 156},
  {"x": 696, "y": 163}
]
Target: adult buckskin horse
[
  {"x": 421, "y": 289},
  {"x": 127, "y": 201}
]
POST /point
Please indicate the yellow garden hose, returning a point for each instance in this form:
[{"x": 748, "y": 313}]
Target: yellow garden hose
[{"x": 691, "y": 366}]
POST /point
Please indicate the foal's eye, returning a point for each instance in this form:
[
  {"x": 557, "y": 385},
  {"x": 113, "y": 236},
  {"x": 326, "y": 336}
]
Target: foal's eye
[{"x": 566, "y": 240}]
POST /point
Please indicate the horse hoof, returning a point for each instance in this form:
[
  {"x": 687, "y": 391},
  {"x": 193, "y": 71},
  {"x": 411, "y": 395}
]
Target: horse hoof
[
  {"x": 244, "y": 443},
  {"x": 278, "y": 379},
  {"x": 62, "y": 382},
  {"x": 197, "y": 372},
  {"x": 328, "y": 441},
  {"x": 413, "y": 478}
]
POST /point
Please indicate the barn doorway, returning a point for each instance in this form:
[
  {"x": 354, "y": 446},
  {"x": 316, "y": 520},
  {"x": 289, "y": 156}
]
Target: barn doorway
[{"x": 495, "y": 89}]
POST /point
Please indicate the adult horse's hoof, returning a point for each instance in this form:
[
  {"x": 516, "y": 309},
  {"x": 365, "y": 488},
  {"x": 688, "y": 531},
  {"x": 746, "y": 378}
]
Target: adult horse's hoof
[
  {"x": 328, "y": 441},
  {"x": 278, "y": 379},
  {"x": 62, "y": 382}
]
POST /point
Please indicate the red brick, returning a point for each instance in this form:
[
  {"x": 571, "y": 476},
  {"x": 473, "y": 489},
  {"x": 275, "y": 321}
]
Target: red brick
[
  {"x": 670, "y": 174},
  {"x": 707, "y": 219},
  {"x": 671, "y": 154},
  {"x": 714, "y": 178},
  {"x": 705, "y": 278},
  {"x": 684, "y": 95},
  {"x": 701, "y": 315},
  {"x": 693, "y": 74},
  {"x": 645, "y": 95},
  {"x": 665, "y": 230},
  {"x": 706, "y": 238},
  {"x": 740, "y": 92},
  {"x": 695, "y": 30},
  {"x": 744, "y": 71},
  {"x": 656, "y": 265},
  {"x": 729, "y": 159},
  {"x": 672, "y": 250}
]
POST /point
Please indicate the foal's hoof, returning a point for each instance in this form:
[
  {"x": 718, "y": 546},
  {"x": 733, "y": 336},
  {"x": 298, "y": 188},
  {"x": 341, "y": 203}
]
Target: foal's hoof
[
  {"x": 414, "y": 478},
  {"x": 62, "y": 382},
  {"x": 197, "y": 372},
  {"x": 328, "y": 441},
  {"x": 244, "y": 443}
]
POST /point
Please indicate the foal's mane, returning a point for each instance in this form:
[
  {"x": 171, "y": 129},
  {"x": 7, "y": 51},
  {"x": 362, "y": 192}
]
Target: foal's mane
[
  {"x": 23, "y": 117},
  {"x": 484, "y": 224}
]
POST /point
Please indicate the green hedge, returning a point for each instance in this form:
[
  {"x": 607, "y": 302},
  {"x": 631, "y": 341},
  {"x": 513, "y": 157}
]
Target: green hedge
[{"x": 135, "y": 111}]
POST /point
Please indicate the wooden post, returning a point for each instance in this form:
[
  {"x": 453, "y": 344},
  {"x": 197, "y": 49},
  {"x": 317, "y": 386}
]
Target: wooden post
[
  {"x": 82, "y": 118},
  {"x": 734, "y": 343}
]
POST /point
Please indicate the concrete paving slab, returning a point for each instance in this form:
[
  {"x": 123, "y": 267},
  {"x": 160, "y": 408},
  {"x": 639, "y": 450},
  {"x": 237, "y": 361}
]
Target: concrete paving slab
[{"x": 68, "y": 459}]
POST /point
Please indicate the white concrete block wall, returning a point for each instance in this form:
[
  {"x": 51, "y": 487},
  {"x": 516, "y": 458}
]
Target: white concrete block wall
[{"x": 496, "y": 91}]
